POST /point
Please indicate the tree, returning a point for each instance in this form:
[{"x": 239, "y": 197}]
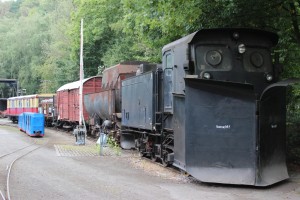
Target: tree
[
  {"x": 23, "y": 36},
  {"x": 40, "y": 38},
  {"x": 58, "y": 68},
  {"x": 98, "y": 17},
  {"x": 35, "y": 47}
]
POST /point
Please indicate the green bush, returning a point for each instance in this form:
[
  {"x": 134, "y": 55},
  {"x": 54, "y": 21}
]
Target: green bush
[{"x": 293, "y": 124}]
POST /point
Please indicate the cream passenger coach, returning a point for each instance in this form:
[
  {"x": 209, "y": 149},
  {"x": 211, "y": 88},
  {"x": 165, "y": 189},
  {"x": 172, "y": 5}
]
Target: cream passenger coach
[{"x": 27, "y": 103}]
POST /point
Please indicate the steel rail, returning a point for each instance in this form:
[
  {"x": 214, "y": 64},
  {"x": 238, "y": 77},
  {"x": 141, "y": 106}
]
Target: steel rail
[
  {"x": 4, "y": 155},
  {"x": 2, "y": 195},
  {"x": 16, "y": 150},
  {"x": 11, "y": 166},
  {"x": 170, "y": 168}
]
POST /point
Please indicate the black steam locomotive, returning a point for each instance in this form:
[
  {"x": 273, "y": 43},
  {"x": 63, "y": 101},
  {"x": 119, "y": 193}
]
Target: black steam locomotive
[{"x": 214, "y": 108}]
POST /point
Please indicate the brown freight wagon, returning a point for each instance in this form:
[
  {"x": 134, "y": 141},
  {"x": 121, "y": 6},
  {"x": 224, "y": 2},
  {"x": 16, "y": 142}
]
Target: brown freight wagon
[{"x": 67, "y": 100}]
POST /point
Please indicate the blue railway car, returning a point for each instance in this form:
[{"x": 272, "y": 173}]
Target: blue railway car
[{"x": 32, "y": 123}]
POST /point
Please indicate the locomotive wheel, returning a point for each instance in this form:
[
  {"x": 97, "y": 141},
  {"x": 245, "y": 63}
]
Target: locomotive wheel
[
  {"x": 153, "y": 157},
  {"x": 141, "y": 154},
  {"x": 164, "y": 162}
]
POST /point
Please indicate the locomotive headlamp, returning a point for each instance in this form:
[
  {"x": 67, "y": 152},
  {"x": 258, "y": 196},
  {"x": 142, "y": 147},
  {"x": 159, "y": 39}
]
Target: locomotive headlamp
[
  {"x": 206, "y": 75},
  {"x": 241, "y": 48},
  {"x": 269, "y": 77},
  {"x": 236, "y": 35}
]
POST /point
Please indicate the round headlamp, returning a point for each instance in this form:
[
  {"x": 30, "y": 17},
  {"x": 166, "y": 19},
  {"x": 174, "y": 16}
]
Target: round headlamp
[
  {"x": 206, "y": 75},
  {"x": 241, "y": 48},
  {"x": 269, "y": 77}
]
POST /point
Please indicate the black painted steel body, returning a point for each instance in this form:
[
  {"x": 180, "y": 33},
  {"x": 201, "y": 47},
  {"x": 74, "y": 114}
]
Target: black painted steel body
[
  {"x": 138, "y": 112},
  {"x": 3, "y": 104},
  {"x": 233, "y": 134}
]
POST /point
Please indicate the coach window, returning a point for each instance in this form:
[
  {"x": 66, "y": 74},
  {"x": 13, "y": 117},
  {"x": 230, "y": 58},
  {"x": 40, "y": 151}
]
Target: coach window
[
  {"x": 168, "y": 79},
  {"x": 35, "y": 103}
]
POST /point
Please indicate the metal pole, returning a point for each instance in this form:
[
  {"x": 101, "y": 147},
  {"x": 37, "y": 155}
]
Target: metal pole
[
  {"x": 81, "y": 74},
  {"x": 101, "y": 144},
  {"x": 80, "y": 131}
]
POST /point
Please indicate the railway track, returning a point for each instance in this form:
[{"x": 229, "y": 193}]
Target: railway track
[
  {"x": 149, "y": 160},
  {"x": 17, "y": 155},
  {"x": 170, "y": 168}
]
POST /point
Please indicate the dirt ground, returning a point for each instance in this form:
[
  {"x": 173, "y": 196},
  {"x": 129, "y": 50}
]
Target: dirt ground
[{"x": 61, "y": 170}]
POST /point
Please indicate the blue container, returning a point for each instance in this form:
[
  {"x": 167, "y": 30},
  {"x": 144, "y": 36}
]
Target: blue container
[
  {"x": 21, "y": 122},
  {"x": 33, "y": 124}
]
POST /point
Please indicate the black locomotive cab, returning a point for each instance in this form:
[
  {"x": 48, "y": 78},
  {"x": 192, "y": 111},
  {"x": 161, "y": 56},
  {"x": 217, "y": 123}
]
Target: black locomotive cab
[{"x": 237, "y": 55}]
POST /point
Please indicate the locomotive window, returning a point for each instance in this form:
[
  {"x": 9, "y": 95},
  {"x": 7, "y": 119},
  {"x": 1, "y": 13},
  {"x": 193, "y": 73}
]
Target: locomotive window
[
  {"x": 257, "y": 60},
  {"x": 169, "y": 61},
  {"x": 213, "y": 58},
  {"x": 168, "y": 80}
]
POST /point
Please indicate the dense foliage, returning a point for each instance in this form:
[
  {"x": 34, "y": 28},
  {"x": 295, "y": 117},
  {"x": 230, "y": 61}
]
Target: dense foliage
[
  {"x": 40, "y": 38},
  {"x": 35, "y": 47}
]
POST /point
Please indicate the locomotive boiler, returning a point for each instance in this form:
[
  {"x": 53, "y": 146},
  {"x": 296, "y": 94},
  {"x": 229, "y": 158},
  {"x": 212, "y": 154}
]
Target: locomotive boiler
[{"x": 214, "y": 108}]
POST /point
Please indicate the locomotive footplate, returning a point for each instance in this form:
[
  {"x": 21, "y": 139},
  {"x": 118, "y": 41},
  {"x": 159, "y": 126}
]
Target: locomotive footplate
[
  {"x": 127, "y": 140},
  {"x": 233, "y": 136}
]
